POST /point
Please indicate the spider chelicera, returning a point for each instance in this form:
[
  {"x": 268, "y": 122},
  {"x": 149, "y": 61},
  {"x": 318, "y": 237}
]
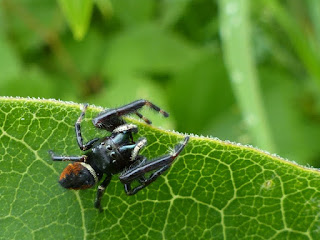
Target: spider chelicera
[{"x": 117, "y": 153}]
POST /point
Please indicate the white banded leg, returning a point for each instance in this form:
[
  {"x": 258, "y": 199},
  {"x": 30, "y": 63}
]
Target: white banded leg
[
  {"x": 142, "y": 142},
  {"x": 125, "y": 128}
]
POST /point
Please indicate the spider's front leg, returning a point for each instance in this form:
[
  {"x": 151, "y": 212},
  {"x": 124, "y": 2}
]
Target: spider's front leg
[
  {"x": 134, "y": 148},
  {"x": 142, "y": 142},
  {"x": 111, "y": 118},
  {"x": 158, "y": 165},
  {"x": 77, "y": 126},
  {"x": 125, "y": 128}
]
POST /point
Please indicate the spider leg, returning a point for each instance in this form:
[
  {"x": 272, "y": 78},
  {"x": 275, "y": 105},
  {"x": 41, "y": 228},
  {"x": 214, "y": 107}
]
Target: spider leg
[
  {"x": 100, "y": 191},
  {"x": 111, "y": 118},
  {"x": 125, "y": 128},
  {"x": 159, "y": 165},
  {"x": 142, "y": 179},
  {"x": 144, "y": 182},
  {"x": 77, "y": 126},
  {"x": 131, "y": 128},
  {"x": 68, "y": 158},
  {"x": 139, "y": 145},
  {"x": 146, "y": 120}
]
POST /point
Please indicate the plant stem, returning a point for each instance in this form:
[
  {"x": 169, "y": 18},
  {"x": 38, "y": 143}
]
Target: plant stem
[{"x": 235, "y": 33}]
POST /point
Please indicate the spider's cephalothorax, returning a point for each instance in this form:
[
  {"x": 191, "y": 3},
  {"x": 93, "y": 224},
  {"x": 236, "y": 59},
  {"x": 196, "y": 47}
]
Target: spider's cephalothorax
[{"x": 117, "y": 153}]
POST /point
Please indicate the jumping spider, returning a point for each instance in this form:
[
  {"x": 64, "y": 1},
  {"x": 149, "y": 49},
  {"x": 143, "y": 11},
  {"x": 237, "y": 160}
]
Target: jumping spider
[{"x": 117, "y": 153}]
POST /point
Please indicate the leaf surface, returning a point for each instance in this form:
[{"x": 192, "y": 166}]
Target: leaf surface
[{"x": 214, "y": 190}]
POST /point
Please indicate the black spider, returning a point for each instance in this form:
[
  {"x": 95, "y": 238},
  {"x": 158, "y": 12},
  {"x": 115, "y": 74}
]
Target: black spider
[{"x": 114, "y": 154}]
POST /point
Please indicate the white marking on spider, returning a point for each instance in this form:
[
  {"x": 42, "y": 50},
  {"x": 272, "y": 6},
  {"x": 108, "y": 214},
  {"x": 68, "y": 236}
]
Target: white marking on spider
[
  {"x": 91, "y": 170},
  {"x": 137, "y": 148},
  {"x": 125, "y": 127}
]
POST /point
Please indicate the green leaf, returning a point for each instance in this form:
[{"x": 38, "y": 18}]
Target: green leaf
[
  {"x": 214, "y": 190},
  {"x": 9, "y": 63},
  {"x": 132, "y": 14},
  {"x": 131, "y": 51},
  {"x": 78, "y": 14},
  {"x": 105, "y": 7}
]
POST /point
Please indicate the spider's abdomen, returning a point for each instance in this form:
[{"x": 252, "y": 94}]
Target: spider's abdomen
[{"x": 78, "y": 176}]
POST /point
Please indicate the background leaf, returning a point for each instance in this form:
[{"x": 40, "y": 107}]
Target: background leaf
[
  {"x": 171, "y": 52},
  {"x": 78, "y": 14},
  {"x": 215, "y": 189}
]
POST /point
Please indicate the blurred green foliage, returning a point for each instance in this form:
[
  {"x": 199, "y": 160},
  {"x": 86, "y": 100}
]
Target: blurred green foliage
[{"x": 169, "y": 52}]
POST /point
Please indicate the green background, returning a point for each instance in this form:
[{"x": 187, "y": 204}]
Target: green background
[{"x": 187, "y": 56}]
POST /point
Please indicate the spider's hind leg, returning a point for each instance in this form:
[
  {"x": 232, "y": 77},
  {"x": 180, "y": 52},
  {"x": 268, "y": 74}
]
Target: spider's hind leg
[
  {"x": 158, "y": 165},
  {"x": 101, "y": 189},
  {"x": 67, "y": 158}
]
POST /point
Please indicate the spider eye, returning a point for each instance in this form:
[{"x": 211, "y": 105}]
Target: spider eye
[
  {"x": 112, "y": 154},
  {"x": 108, "y": 147}
]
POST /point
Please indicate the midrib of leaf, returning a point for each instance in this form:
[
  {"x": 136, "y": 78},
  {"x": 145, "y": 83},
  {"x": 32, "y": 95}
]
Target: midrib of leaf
[{"x": 216, "y": 189}]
